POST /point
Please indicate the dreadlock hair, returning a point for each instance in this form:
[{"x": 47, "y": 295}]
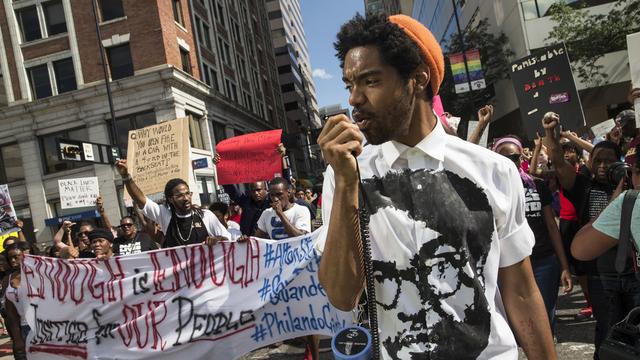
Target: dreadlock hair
[
  {"x": 396, "y": 48},
  {"x": 168, "y": 189}
]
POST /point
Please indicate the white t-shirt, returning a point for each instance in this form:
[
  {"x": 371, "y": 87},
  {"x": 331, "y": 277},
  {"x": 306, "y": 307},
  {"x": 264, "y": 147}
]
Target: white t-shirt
[
  {"x": 270, "y": 222},
  {"x": 445, "y": 215},
  {"x": 162, "y": 216}
]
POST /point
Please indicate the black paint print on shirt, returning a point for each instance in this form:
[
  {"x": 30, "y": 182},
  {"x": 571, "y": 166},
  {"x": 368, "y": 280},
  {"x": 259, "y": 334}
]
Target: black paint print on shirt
[{"x": 458, "y": 210}]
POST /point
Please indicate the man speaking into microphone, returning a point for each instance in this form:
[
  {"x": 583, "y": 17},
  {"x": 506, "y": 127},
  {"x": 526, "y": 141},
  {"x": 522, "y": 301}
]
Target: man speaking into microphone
[{"x": 449, "y": 238}]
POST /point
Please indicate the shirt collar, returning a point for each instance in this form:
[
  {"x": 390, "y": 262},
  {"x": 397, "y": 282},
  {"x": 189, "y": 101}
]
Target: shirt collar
[{"x": 432, "y": 145}]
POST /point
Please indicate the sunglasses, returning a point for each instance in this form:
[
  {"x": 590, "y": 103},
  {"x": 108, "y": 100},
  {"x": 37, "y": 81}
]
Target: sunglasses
[
  {"x": 85, "y": 233},
  {"x": 126, "y": 225},
  {"x": 514, "y": 157}
]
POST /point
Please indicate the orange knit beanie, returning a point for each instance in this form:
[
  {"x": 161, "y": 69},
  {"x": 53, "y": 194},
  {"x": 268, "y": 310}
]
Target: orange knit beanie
[{"x": 428, "y": 45}]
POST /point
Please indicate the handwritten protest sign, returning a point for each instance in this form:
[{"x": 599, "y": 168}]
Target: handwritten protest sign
[
  {"x": 192, "y": 301},
  {"x": 601, "y": 129},
  {"x": 7, "y": 212},
  {"x": 159, "y": 153},
  {"x": 544, "y": 82},
  {"x": 80, "y": 192},
  {"x": 249, "y": 158}
]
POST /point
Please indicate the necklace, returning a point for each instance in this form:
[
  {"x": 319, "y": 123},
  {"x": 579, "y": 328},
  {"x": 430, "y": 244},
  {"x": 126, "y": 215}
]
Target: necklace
[{"x": 181, "y": 239}]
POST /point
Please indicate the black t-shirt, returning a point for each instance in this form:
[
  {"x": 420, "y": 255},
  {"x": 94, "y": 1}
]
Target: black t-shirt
[
  {"x": 185, "y": 231},
  {"x": 141, "y": 243},
  {"x": 535, "y": 200},
  {"x": 590, "y": 198}
]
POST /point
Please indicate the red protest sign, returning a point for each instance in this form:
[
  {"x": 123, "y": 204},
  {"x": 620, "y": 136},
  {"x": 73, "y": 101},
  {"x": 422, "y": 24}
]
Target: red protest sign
[{"x": 249, "y": 158}]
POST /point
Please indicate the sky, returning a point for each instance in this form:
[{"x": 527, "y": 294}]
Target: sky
[{"x": 322, "y": 20}]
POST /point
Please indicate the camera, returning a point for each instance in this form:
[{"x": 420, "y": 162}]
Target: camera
[{"x": 618, "y": 171}]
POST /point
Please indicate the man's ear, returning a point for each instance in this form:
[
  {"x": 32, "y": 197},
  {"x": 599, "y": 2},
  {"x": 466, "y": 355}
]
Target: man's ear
[{"x": 421, "y": 77}]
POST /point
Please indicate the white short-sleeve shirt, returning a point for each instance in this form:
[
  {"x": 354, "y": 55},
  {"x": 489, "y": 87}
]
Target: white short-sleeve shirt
[
  {"x": 445, "y": 215},
  {"x": 162, "y": 216},
  {"x": 271, "y": 224}
]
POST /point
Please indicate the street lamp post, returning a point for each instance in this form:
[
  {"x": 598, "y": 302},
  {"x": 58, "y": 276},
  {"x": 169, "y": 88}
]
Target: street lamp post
[{"x": 114, "y": 127}]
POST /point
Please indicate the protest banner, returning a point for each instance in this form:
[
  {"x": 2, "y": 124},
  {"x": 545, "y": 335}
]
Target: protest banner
[
  {"x": 485, "y": 135},
  {"x": 7, "y": 212},
  {"x": 601, "y": 129},
  {"x": 544, "y": 82},
  {"x": 249, "y": 158},
  {"x": 159, "y": 153},
  {"x": 633, "y": 44},
  {"x": 192, "y": 301},
  {"x": 80, "y": 192}
]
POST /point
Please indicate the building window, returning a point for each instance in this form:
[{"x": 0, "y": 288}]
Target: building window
[
  {"x": 65, "y": 75},
  {"x": 225, "y": 51},
  {"x": 207, "y": 37},
  {"x": 40, "y": 81},
  {"x": 288, "y": 87},
  {"x": 202, "y": 32},
  {"x": 236, "y": 32},
  {"x": 111, "y": 9},
  {"x": 131, "y": 122},
  {"x": 220, "y": 14},
  {"x": 40, "y": 78},
  {"x": 120, "y": 64},
  {"x": 50, "y": 151},
  {"x": 275, "y": 15},
  {"x": 177, "y": 12},
  {"x": 219, "y": 132},
  {"x": 11, "y": 160},
  {"x": 243, "y": 67},
  {"x": 54, "y": 17},
  {"x": 248, "y": 100},
  {"x": 29, "y": 24},
  {"x": 291, "y": 106},
  {"x": 195, "y": 133},
  {"x": 210, "y": 76},
  {"x": 186, "y": 61},
  {"x": 232, "y": 90}
]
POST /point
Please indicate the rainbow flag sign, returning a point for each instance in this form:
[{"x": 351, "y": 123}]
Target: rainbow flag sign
[{"x": 475, "y": 79}]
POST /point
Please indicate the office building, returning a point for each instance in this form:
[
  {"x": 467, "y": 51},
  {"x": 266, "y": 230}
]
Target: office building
[
  {"x": 296, "y": 83},
  {"x": 211, "y": 60}
]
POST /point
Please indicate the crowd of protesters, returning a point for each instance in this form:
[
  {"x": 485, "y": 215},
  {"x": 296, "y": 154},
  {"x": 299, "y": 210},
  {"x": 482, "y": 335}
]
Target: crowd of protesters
[{"x": 569, "y": 200}]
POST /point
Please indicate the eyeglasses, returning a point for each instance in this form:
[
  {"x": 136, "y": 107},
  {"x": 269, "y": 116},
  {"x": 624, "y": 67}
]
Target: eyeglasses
[{"x": 183, "y": 195}]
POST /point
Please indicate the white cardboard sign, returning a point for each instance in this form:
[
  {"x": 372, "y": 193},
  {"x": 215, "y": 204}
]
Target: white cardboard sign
[{"x": 80, "y": 192}]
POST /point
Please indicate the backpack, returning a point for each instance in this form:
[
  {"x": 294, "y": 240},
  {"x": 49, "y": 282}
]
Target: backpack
[{"x": 623, "y": 339}]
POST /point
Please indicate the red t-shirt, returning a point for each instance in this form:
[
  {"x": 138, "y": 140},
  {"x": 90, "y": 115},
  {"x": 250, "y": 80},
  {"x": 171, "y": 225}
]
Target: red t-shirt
[
  {"x": 235, "y": 218},
  {"x": 567, "y": 210}
]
